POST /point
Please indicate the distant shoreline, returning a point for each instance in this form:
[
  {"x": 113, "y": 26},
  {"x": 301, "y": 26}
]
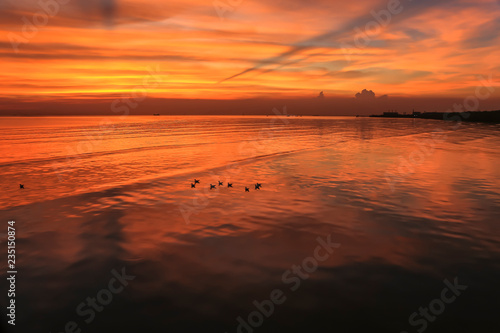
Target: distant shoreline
[
  {"x": 175, "y": 115},
  {"x": 473, "y": 116}
]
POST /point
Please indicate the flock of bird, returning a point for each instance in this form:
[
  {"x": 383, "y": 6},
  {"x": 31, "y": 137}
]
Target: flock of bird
[{"x": 197, "y": 181}]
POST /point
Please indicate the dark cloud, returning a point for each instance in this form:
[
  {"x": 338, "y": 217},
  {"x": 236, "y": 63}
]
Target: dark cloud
[
  {"x": 381, "y": 75},
  {"x": 352, "y": 74},
  {"x": 365, "y": 95},
  {"x": 86, "y": 13},
  {"x": 417, "y": 35},
  {"x": 93, "y": 56},
  {"x": 483, "y": 36},
  {"x": 48, "y": 47},
  {"x": 107, "y": 8},
  {"x": 396, "y": 76},
  {"x": 410, "y": 9},
  {"x": 294, "y": 5},
  {"x": 60, "y": 51}
]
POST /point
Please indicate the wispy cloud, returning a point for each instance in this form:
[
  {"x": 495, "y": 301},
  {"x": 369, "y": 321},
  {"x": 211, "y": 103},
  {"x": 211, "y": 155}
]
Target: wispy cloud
[{"x": 99, "y": 47}]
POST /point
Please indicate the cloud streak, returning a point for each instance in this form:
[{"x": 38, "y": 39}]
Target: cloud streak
[
  {"x": 410, "y": 9},
  {"x": 99, "y": 48}
]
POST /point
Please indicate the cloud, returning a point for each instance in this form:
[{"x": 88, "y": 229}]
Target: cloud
[
  {"x": 381, "y": 74},
  {"x": 417, "y": 54},
  {"x": 110, "y": 57},
  {"x": 365, "y": 95},
  {"x": 417, "y": 35},
  {"x": 410, "y": 10},
  {"x": 107, "y": 8},
  {"x": 87, "y": 13},
  {"x": 484, "y": 35}
]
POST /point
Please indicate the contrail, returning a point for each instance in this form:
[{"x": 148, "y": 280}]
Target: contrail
[{"x": 409, "y": 8}]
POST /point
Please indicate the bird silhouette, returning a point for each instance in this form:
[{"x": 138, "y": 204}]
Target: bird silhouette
[
  {"x": 247, "y": 189},
  {"x": 196, "y": 181},
  {"x": 212, "y": 186},
  {"x": 21, "y": 186},
  {"x": 193, "y": 185},
  {"x": 220, "y": 183},
  {"x": 257, "y": 186},
  {"x": 229, "y": 184}
]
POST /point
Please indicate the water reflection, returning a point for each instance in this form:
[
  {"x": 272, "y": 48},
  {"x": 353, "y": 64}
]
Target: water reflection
[{"x": 121, "y": 207}]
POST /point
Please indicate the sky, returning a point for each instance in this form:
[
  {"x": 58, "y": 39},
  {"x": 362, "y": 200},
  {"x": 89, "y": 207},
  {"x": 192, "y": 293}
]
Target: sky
[{"x": 71, "y": 52}]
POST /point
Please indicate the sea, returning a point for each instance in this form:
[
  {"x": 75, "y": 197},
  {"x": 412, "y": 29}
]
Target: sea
[{"x": 359, "y": 224}]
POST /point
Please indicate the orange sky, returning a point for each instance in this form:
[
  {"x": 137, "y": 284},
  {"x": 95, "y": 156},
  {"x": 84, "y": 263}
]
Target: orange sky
[{"x": 282, "y": 48}]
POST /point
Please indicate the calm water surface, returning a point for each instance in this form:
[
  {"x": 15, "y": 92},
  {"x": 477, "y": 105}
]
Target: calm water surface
[{"x": 411, "y": 202}]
